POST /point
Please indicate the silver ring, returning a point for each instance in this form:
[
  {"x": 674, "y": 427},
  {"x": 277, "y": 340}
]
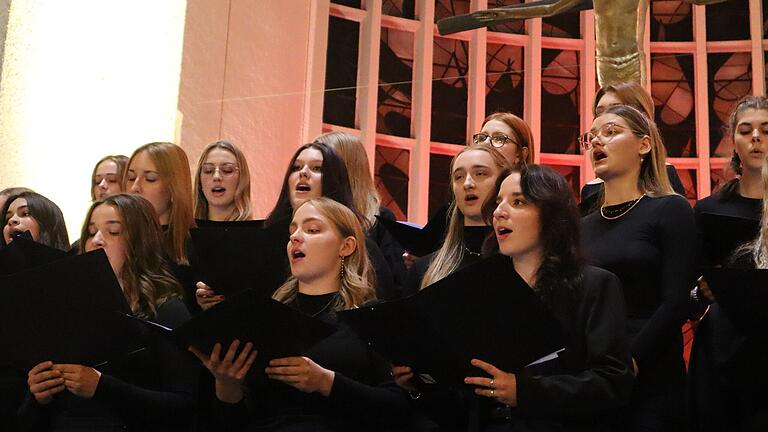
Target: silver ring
[{"x": 490, "y": 384}]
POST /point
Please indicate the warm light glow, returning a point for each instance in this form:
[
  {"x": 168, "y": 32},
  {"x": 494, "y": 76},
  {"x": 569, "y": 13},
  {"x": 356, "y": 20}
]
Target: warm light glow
[{"x": 80, "y": 80}]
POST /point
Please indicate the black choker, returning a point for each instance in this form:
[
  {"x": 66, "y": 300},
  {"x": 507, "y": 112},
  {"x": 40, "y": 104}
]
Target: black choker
[{"x": 619, "y": 210}]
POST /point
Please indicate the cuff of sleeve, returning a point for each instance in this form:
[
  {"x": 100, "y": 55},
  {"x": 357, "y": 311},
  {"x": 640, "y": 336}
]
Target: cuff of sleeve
[
  {"x": 527, "y": 393},
  {"x": 105, "y": 386}
]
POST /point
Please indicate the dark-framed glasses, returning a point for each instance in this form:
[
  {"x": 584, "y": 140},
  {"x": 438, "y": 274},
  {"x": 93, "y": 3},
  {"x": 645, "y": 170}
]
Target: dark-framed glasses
[
  {"x": 605, "y": 134},
  {"x": 497, "y": 139},
  {"x": 226, "y": 169}
]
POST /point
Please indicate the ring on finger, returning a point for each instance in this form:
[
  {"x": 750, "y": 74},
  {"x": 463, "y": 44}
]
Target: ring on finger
[
  {"x": 490, "y": 384},
  {"x": 492, "y": 391}
]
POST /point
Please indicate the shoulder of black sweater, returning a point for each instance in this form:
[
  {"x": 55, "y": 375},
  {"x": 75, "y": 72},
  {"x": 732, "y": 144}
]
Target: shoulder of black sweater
[
  {"x": 172, "y": 313},
  {"x": 386, "y": 213}
]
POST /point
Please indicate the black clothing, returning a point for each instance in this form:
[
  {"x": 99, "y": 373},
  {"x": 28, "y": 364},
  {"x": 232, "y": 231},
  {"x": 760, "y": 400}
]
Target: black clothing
[
  {"x": 391, "y": 251},
  {"x": 731, "y": 204},
  {"x": 356, "y": 402},
  {"x": 591, "y": 192},
  {"x": 474, "y": 236},
  {"x": 582, "y": 389},
  {"x": 652, "y": 249},
  {"x": 727, "y": 370},
  {"x": 151, "y": 390}
]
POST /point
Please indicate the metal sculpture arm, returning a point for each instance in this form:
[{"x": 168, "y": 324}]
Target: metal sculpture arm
[{"x": 537, "y": 9}]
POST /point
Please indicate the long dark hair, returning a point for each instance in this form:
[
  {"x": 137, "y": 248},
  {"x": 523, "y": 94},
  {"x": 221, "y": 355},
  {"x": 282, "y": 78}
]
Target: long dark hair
[
  {"x": 335, "y": 183},
  {"x": 53, "y": 230},
  {"x": 559, "y": 275},
  {"x": 147, "y": 278}
]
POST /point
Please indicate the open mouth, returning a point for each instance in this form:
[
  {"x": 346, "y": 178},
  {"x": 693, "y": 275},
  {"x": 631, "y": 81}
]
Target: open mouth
[
  {"x": 471, "y": 198},
  {"x": 303, "y": 187},
  {"x": 502, "y": 232},
  {"x": 598, "y": 155},
  {"x": 218, "y": 190},
  {"x": 297, "y": 254}
]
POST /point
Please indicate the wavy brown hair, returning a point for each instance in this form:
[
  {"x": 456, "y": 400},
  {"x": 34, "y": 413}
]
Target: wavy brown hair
[
  {"x": 629, "y": 93},
  {"x": 356, "y": 287},
  {"x": 146, "y": 278},
  {"x": 173, "y": 167},
  {"x": 242, "y": 210}
]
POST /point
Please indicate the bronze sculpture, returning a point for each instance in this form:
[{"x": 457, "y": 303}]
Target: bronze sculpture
[{"x": 619, "y": 29}]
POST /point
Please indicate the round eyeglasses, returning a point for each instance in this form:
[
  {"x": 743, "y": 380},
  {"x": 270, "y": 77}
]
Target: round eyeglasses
[
  {"x": 498, "y": 140},
  {"x": 225, "y": 170},
  {"x": 604, "y": 134}
]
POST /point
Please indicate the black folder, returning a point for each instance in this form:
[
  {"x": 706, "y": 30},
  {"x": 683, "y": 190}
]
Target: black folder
[
  {"x": 24, "y": 253},
  {"x": 483, "y": 311},
  {"x": 236, "y": 257},
  {"x": 68, "y": 311},
  {"x": 204, "y": 223},
  {"x": 275, "y": 329},
  {"x": 743, "y": 296},
  {"x": 418, "y": 241},
  {"x": 722, "y": 234}
]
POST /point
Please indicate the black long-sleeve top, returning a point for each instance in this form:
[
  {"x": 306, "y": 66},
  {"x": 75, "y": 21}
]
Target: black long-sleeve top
[
  {"x": 152, "y": 390},
  {"x": 593, "y": 191},
  {"x": 474, "y": 236},
  {"x": 729, "y": 203},
  {"x": 652, "y": 249},
  {"x": 362, "y": 396},
  {"x": 582, "y": 389}
]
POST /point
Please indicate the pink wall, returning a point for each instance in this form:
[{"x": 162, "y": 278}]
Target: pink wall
[{"x": 246, "y": 77}]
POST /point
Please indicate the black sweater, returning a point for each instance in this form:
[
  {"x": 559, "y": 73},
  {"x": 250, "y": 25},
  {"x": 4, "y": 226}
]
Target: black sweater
[
  {"x": 152, "y": 390},
  {"x": 727, "y": 371},
  {"x": 652, "y": 249},
  {"x": 358, "y": 400},
  {"x": 581, "y": 390}
]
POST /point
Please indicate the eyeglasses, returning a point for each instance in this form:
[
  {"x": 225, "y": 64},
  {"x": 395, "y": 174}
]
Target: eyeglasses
[
  {"x": 606, "y": 133},
  {"x": 226, "y": 170},
  {"x": 498, "y": 140}
]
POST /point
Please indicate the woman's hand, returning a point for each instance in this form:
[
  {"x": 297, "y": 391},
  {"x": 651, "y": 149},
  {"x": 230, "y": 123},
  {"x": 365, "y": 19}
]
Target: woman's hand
[
  {"x": 302, "y": 373},
  {"x": 206, "y": 297},
  {"x": 44, "y": 382},
  {"x": 502, "y": 387},
  {"x": 409, "y": 259},
  {"x": 79, "y": 380},
  {"x": 229, "y": 372},
  {"x": 402, "y": 376},
  {"x": 705, "y": 291}
]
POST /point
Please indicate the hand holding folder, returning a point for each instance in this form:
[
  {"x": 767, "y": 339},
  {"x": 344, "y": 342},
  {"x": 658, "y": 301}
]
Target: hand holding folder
[
  {"x": 484, "y": 311},
  {"x": 236, "y": 256},
  {"x": 274, "y": 329},
  {"x": 67, "y": 312},
  {"x": 742, "y": 294}
]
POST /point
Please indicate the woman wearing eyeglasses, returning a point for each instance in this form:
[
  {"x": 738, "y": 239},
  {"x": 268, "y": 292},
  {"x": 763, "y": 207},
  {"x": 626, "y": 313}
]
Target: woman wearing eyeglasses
[
  {"x": 645, "y": 234},
  {"x": 625, "y": 93},
  {"x": 509, "y": 134},
  {"x": 222, "y": 184}
]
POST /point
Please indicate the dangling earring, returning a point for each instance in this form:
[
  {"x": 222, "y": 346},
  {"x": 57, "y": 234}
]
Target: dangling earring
[{"x": 341, "y": 273}]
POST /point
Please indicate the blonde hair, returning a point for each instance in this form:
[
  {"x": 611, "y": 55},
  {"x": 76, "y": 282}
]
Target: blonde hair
[
  {"x": 242, "y": 210},
  {"x": 365, "y": 197},
  {"x": 356, "y": 287},
  {"x": 759, "y": 246},
  {"x": 448, "y": 258},
  {"x": 653, "y": 179},
  {"x": 173, "y": 167}
]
